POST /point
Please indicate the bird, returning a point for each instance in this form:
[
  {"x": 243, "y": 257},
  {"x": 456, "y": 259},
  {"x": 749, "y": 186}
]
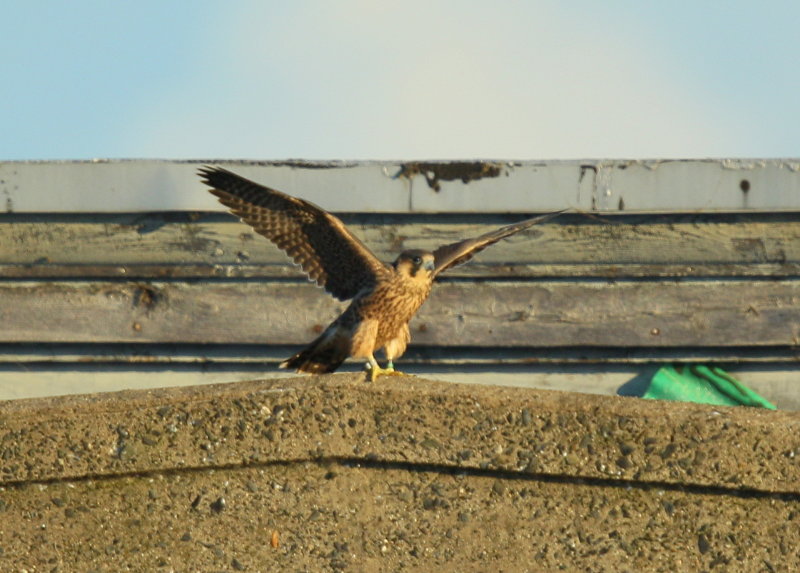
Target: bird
[{"x": 383, "y": 297}]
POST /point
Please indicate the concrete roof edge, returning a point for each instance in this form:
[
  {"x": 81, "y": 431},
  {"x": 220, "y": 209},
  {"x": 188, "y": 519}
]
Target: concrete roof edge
[{"x": 410, "y": 421}]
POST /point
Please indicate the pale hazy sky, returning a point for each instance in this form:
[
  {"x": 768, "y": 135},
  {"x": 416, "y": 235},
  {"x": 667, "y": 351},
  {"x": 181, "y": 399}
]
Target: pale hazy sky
[{"x": 412, "y": 79}]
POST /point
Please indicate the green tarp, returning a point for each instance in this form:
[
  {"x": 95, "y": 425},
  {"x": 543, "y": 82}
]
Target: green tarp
[{"x": 704, "y": 385}]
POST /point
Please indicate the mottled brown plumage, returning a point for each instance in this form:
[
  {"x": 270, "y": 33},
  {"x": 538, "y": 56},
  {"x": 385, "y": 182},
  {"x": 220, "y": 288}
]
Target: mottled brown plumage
[{"x": 384, "y": 297}]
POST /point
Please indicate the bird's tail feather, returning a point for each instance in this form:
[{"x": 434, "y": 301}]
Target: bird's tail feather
[{"x": 325, "y": 354}]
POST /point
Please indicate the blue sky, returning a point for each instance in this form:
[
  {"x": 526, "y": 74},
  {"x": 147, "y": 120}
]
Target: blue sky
[{"x": 366, "y": 79}]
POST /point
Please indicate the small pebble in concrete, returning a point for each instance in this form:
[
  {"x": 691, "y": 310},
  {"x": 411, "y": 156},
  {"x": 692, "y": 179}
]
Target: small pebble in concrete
[
  {"x": 703, "y": 544},
  {"x": 218, "y": 505},
  {"x": 625, "y": 463}
]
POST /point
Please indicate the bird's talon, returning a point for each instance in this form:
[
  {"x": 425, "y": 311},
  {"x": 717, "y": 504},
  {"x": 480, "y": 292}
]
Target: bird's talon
[{"x": 373, "y": 373}]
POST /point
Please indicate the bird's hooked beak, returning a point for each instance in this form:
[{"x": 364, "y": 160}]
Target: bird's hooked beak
[{"x": 429, "y": 266}]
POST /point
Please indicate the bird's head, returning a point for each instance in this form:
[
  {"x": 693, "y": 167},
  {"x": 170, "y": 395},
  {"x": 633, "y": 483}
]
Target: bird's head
[{"x": 417, "y": 264}]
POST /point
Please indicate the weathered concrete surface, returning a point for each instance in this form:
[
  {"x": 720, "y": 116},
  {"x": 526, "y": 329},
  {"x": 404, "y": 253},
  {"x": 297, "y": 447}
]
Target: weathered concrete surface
[
  {"x": 402, "y": 474},
  {"x": 333, "y": 517},
  {"x": 403, "y": 420}
]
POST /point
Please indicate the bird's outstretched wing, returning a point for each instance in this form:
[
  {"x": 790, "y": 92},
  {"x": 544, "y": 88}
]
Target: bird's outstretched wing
[
  {"x": 316, "y": 240},
  {"x": 454, "y": 254}
]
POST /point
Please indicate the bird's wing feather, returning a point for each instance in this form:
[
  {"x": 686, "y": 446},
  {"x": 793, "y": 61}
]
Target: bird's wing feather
[
  {"x": 448, "y": 256},
  {"x": 316, "y": 240}
]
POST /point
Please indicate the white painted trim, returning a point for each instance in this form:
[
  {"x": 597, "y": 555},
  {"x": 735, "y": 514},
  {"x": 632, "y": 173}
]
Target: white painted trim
[{"x": 524, "y": 187}]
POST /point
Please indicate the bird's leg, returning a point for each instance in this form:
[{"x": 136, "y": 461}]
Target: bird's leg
[
  {"x": 375, "y": 370},
  {"x": 390, "y": 369}
]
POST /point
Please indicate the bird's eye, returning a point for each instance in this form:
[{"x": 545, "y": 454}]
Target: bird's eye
[{"x": 417, "y": 260}]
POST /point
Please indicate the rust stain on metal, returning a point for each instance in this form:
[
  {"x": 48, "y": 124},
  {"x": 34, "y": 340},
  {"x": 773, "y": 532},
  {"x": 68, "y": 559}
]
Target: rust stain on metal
[
  {"x": 751, "y": 246},
  {"x": 585, "y": 169},
  {"x": 145, "y": 296},
  {"x": 435, "y": 172},
  {"x": 9, "y": 201},
  {"x": 192, "y": 241},
  {"x": 305, "y": 164}
]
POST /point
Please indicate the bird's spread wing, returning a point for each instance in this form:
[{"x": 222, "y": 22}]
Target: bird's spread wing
[
  {"x": 316, "y": 240},
  {"x": 454, "y": 254}
]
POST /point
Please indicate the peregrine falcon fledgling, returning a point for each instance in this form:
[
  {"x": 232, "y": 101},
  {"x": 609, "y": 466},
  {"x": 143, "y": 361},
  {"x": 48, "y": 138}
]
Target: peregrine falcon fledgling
[{"x": 384, "y": 296}]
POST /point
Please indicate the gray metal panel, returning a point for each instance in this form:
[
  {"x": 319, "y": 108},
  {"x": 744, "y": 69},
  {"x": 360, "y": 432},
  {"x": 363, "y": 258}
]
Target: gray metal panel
[
  {"x": 472, "y": 186},
  {"x": 149, "y": 185},
  {"x": 711, "y": 185}
]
